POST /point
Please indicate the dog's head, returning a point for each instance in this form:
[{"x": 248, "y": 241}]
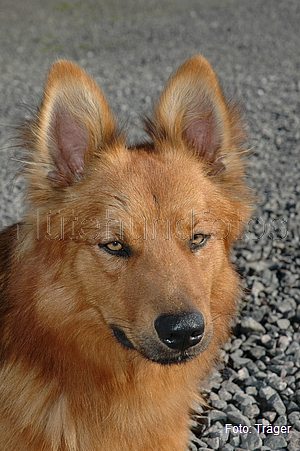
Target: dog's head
[{"x": 137, "y": 238}]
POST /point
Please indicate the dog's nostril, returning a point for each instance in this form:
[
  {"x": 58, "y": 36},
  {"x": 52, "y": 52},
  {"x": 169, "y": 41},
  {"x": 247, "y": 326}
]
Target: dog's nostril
[
  {"x": 196, "y": 334},
  {"x": 180, "y": 331}
]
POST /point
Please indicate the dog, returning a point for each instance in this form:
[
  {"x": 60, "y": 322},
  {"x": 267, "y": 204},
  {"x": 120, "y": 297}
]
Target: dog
[{"x": 117, "y": 289}]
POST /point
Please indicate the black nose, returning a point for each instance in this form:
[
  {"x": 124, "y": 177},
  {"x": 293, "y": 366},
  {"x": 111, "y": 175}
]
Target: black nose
[{"x": 180, "y": 331}]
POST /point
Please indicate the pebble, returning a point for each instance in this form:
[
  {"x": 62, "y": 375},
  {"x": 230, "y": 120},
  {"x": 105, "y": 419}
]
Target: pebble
[
  {"x": 251, "y": 442},
  {"x": 294, "y": 441},
  {"x": 267, "y": 392},
  {"x": 275, "y": 441},
  {"x": 283, "y": 323},
  {"x": 276, "y": 402},
  {"x": 236, "y": 417},
  {"x": 251, "y": 411},
  {"x": 217, "y": 415},
  {"x": 249, "y": 325}
]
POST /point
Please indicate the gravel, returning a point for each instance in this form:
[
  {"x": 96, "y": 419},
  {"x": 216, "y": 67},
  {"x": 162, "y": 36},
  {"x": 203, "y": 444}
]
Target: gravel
[{"x": 131, "y": 48}]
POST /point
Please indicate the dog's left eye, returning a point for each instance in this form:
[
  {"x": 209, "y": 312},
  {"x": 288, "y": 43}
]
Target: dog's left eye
[
  {"x": 115, "y": 248},
  {"x": 198, "y": 240}
]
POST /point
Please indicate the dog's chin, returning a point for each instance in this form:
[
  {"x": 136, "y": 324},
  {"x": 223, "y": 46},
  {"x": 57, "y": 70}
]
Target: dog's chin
[
  {"x": 171, "y": 359},
  {"x": 158, "y": 354}
]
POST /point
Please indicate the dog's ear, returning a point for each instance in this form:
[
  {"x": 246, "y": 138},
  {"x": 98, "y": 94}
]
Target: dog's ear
[
  {"x": 73, "y": 123},
  {"x": 192, "y": 109}
]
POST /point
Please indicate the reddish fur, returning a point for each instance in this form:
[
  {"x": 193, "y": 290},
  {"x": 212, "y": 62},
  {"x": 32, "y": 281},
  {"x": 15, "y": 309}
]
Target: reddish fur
[{"x": 66, "y": 383}]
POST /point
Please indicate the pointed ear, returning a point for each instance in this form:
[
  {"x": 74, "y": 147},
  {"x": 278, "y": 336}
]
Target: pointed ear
[
  {"x": 73, "y": 123},
  {"x": 192, "y": 109}
]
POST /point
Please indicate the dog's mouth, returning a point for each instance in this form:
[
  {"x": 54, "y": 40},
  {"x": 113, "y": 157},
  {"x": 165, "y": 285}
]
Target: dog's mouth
[
  {"x": 121, "y": 337},
  {"x": 157, "y": 353}
]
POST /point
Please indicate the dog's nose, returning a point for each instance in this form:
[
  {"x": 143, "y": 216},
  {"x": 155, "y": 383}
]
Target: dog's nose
[{"x": 180, "y": 331}]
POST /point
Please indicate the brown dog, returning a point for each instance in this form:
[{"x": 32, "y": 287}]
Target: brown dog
[{"x": 116, "y": 288}]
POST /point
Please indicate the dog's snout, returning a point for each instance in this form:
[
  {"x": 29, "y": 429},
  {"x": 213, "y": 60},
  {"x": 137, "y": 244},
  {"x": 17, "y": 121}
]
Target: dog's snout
[{"x": 180, "y": 331}]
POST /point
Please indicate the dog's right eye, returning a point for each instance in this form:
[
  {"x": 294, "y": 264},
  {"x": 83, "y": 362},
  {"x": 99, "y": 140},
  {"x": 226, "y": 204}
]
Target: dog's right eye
[
  {"x": 198, "y": 241},
  {"x": 115, "y": 248}
]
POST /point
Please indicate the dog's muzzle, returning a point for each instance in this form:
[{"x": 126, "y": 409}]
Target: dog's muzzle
[{"x": 176, "y": 338}]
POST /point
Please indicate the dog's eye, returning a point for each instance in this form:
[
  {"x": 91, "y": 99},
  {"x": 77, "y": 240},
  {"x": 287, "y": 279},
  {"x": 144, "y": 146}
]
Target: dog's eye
[
  {"x": 115, "y": 248},
  {"x": 198, "y": 241}
]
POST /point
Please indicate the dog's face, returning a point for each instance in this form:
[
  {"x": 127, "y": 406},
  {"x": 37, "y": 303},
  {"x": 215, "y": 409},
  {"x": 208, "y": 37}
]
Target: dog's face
[
  {"x": 138, "y": 238},
  {"x": 154, "y": 252}
]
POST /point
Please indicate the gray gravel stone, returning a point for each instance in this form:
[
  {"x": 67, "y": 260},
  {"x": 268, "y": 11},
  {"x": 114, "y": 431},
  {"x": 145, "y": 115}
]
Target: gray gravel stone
[
  {"x": 228, "y": 447},
  {"x": 236, "y": 417},
  {"x": 251, "y": 411},
  {"x": 270, "y": 416},
  {"x": 277, "y": 404},
  {"x": 213, "y": 443},
  {"x": 238, "y": 359},
  {"x": 267, "y": 392},
  {"x": 243, "y": 399},
  {"x": 251, "y": 442},
  {"x": 258, "y": 352},
  {"x": 283, "y": 323},
  {"x": 294, "y": 441},
  {"x": 231, "y": 387},
  {"x": 217, "y": 415},
  {"x": 235, "y": 441},
  {"x": 242, "y": 374},
  {"x": 251, "y": 391},
  {"x": 281, "y": 420},
  {"x": 267, "y": 341},
  {"x": 292, "y": 406},
  {"x": 294, "y": 347},
  {"x": 219, "y": 404},
  {"x": 293, "y": 417},
  {"x": 249, "y": 325},
  {"x": 224, "y": 394},
  {"x": 275, "y": 441},
  {"x": 276, "y": 382}
]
